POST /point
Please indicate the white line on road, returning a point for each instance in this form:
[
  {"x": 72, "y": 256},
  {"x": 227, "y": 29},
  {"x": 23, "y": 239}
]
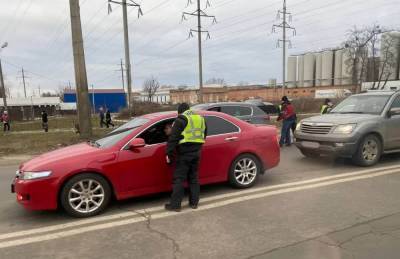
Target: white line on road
[
  {"x": 120, "y": 216},
  {"x": 66, "y": 233}
]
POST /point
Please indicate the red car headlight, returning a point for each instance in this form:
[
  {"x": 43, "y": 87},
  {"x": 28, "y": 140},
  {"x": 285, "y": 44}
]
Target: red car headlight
[{"x": 33, "y": 175}]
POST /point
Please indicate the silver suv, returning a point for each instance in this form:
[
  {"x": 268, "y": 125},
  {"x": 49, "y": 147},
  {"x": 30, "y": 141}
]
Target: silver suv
[{"x": 361, "y": 127}]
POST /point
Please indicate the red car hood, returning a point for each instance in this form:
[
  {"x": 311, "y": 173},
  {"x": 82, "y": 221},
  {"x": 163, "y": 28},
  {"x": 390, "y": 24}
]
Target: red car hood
[{"x": 45, "y": 160}]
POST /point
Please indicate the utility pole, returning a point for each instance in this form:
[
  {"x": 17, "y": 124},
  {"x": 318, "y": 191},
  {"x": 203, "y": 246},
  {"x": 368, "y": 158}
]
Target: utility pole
[
  {"x": 39, "y": 92},
  {"x": 69, "y": 85},
  {"x": 284, "y": 25},
  {"x": 84, "y": 118},
  {"x": 199, "y": 13},
  {"x": 94, "y": 105},
  {"x": 122, "y": 75},
  {"x": 3, "y": 88},
  {"x": 23, "y": 80},
  {"x": 125, "y": 4}
]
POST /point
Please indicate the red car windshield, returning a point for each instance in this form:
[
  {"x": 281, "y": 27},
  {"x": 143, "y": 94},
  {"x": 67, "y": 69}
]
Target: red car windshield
[{"x": 120, "y": 133}]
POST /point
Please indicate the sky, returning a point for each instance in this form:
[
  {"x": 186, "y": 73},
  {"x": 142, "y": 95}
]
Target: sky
[{"x": 242, "y": 47}]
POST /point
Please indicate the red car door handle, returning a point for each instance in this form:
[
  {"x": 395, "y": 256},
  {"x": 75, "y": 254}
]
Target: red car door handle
[{"x": 232, "y": 139}]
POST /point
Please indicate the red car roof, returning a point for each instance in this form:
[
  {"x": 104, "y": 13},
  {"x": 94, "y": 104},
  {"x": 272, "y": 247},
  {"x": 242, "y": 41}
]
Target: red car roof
[{"x": 164, "y": 115}]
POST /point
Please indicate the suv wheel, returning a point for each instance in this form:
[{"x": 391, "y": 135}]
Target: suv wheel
[
  {"x": 244, "y": 171},
  {"x": 369, "y": 151},
  {"x": 85, "y": 195}
]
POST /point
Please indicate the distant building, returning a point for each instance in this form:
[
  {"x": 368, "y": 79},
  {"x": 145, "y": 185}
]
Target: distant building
[
  {"x": 162, "y": 96},
  {"x": 112, "y": 99},
  {"x": 29, "y": 108},
  {"x": 242, "y": 93}
]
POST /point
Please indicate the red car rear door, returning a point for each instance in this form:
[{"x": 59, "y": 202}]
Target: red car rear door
[{"x": 220, "y": 149}]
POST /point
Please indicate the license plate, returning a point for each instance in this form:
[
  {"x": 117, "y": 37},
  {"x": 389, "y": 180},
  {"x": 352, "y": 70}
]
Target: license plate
[{"x": 310, "y": 144}]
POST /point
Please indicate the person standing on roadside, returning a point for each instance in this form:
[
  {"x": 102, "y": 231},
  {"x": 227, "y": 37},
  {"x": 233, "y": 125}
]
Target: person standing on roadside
[
  {"x": 109, "y": 119},
  {"x": 6, "y": 121},
  {"x": 101, "y": 114},
  {"x": 187, "y": 137},
  {"x": 45, "y": 121},
  {"x": 327, "y": 106},
  {"x": 288, "y": 116}
]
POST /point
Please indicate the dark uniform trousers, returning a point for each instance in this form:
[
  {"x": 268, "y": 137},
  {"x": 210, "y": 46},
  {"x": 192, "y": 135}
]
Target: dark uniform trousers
[{"x": 186, "y": 169}]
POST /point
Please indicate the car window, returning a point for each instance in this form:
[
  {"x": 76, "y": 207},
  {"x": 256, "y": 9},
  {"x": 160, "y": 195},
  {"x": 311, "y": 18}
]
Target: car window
[
  {"x": 113, "y": 138},
  {"x": 137, "y": 122},
  {"x": 236, "y": 111},
  {"x": 368, "y": 104},
  {"x": 121, "y": 132},
  {"x": 215, "y": 109},
  {"x": 269, "y": 109},
  {"x": 217, "y": 126},
  {"x": 396, "y": 102},
  {"x": 157, "y": 133},
  {"x": 245, "y": 111}
]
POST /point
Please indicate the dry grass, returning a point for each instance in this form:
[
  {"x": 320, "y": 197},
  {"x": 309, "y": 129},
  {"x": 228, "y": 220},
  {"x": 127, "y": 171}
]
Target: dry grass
[
  {"x": 36, "y": 143},
  {"x": 66, "y": 122}
]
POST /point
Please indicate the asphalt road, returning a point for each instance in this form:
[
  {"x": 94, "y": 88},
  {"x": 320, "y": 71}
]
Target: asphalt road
[{"x": 302, "y": 209}]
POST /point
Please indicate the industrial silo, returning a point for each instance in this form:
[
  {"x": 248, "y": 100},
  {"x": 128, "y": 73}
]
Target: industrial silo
[
  {"x": 300, "y": 71},
  {"x": 347, "y": 68},
  {"x": 338, "y": 67},
  {"x": 318, "y": 69},
  {"x": 291, "y": 71},
  {"x": 390, "y": 55},
  {"x": 327, "y": 68},
  {"x": 272, "y": 82},
  {"x": 309, "y": 69}
]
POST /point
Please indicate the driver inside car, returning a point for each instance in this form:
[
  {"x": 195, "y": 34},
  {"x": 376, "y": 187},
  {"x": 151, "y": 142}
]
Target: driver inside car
[{"x": 168, "y": 129}]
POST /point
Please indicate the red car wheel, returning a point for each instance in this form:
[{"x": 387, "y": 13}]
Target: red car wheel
[
  {"x": 244, "y": 171},
  {"x": 85, "y": 195}
]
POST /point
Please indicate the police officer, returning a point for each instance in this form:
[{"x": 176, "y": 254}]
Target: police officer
[
  {"x": 187, "y": 137},
  {"x": 327, "y": 107}
]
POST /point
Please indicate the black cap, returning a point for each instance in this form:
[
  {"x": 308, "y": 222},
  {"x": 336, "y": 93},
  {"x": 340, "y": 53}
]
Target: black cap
[
  {"x": 183, "y": 107},
  {"x": 285, "y": 99}
]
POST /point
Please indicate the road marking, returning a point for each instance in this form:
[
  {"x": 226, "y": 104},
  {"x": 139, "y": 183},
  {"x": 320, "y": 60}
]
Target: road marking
[
  {"x": 164, "y": 214},
  {"x": 120, "y": 216}
]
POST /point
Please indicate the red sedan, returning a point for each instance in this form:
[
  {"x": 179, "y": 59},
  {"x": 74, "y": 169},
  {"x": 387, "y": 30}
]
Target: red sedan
[{"x": 130, "y": 162}]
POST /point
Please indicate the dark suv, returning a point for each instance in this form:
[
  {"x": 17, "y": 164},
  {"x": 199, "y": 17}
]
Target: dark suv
[
  {"x": 362, "y": 127},
  {"x": 245, "y": 111}
]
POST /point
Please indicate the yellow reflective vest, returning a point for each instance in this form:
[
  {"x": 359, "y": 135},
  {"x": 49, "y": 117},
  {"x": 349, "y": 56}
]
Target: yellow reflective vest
[{"x": 194, "y": 131}]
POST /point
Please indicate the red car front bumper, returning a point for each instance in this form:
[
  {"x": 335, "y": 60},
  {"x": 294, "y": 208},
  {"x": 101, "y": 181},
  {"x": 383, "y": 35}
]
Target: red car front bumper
[{"x": 38, "y": 194}]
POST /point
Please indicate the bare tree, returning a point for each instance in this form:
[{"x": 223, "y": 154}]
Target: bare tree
[
  {"x": 150, "y": 87},
  {"x": 388, "y": 60},
  {"x": 360, "y": 43},
  {"x": 217, "y": 81}
]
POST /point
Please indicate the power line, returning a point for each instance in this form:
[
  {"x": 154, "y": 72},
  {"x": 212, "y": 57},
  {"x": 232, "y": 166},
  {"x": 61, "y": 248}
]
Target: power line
[
  {"x": 200, "y": 14},
  {"x": 284, "y": 26},
  {"x": 125, "y": 4}
]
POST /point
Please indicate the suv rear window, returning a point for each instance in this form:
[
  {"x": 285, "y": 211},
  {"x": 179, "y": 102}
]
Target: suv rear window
[
  {"x": 235, "y": 110},
  {"x": 217, "y": 126}
]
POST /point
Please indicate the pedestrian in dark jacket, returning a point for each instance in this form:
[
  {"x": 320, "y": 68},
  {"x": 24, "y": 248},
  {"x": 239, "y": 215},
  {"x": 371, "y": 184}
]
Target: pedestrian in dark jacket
[
  {"x": 101, "y": 115},
  {"x": 184, "y": 145},
  {"x": 108, "y": 119},
  {"x": 45, "y": 121},
  {"x": 288, "y": 116},
  {"x": 6, "y": 121}
]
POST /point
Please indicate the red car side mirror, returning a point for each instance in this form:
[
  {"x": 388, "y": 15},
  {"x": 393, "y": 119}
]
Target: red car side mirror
[{"x": 136, "y": 143}]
